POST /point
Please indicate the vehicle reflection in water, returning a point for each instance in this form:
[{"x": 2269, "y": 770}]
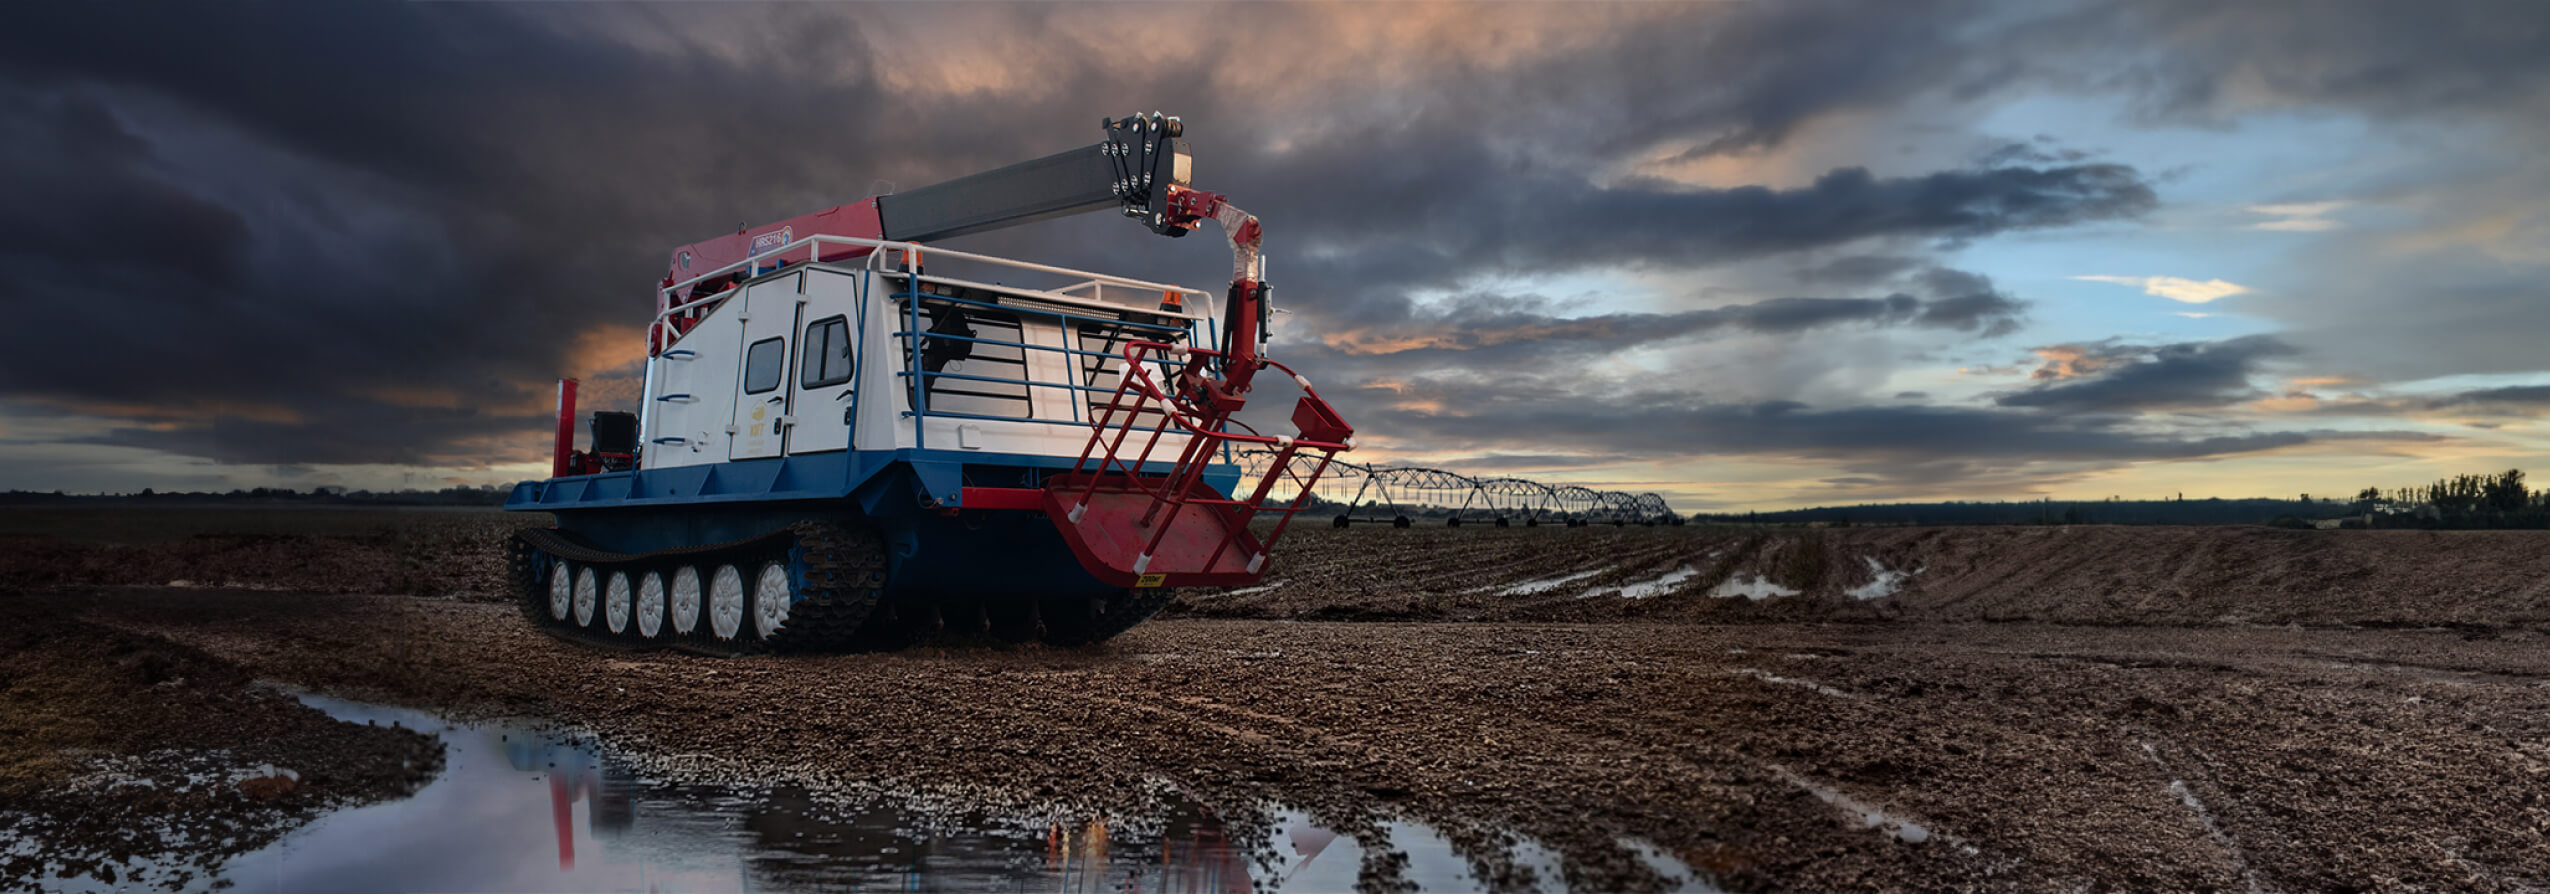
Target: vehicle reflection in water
[{"x": 516, "y": 810}]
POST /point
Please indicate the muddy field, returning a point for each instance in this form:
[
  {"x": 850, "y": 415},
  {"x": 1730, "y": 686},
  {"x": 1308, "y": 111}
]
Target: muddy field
[
  {"x": 2156, "y": 709},
  {"x": 132, "y": 759},
  {"x": 2097, "y": 575}
]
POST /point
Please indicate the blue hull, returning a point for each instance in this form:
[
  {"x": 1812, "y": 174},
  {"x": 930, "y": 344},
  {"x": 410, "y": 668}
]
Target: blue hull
[{"x": 914, "y": 499}]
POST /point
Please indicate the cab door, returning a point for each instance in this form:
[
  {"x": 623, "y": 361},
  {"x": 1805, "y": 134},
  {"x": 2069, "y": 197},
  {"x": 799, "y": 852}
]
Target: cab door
[
  {"x": 760, "y": 427},
  {"x": 826, "y": 381}
]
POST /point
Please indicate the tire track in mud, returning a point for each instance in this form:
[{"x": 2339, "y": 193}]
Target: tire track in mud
[
  {"x": 2205, "y": 818},
  {"x": 1448, "y": 573},
  {"x": 1359, "y": 806}
]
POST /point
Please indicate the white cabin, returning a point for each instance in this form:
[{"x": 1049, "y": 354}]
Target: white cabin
[{"x": 834, "y": 356}]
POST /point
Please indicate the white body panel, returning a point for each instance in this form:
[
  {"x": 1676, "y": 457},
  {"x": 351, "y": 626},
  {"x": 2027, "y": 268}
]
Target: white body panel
[
  {"x": 692, "y": 397},
  {"x": 759, "y": 425},
  {"x": 698, "y": 410},
  {"x": 822, "y": 412}
]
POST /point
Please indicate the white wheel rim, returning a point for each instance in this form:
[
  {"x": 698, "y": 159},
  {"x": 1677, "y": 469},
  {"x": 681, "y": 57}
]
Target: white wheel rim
[
  {"x": 650, "y": 605},
  {"x": 685, "y": 595},
  {"x": 615, "y": 602},
  {"x": 584, "y": 598},
  {"x": 726, "y": 602},
  {"x": 770, "y": 600},
  {"x": 561, "y": 590}
]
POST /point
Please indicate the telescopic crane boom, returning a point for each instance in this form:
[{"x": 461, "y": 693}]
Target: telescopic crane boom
[{"x": 1143, "y": 168}]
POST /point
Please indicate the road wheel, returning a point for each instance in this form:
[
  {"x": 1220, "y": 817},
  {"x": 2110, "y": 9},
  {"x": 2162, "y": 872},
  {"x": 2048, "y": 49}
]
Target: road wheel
[
  {"x": 584, "y": 597},
  {"x": 686, "y": 598},
  {"x": 615, "y": 603},
  {"x": 561, "y": 591},
  {"x": 771, "y": 600},
  {"x": 726, "y": 602},
  {"x": 650, "y": 605}
]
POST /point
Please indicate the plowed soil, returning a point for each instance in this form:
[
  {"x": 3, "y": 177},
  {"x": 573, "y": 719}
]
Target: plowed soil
[
  {"x": 2101, "y": 575},
  {"x": 2159, "y": 709},
  {"x": 131, "y": 759}
]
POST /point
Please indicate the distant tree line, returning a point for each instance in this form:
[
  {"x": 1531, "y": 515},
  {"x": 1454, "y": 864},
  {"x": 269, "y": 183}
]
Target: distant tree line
[
  {"x": 2113, "y": 511},
  {"x": 322, "y": 496},
  {"x": 2461, "y": 501}
]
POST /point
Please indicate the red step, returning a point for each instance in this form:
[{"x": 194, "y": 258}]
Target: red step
[{"x": 1110, "y": 534}]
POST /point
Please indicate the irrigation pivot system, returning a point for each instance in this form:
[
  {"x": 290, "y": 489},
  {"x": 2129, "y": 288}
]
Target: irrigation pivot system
[{"x": 1400, "y": 495}]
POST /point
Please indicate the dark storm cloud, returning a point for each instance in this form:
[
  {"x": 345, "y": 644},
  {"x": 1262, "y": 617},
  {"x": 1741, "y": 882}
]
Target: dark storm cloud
[
  {"x": 1859, "y": 270},
  {"x": 2092, "y": 417},
  {"x": 2212, "y": 61},
  {"x": 359, "y": 432},
  {"x": 2521, "y": 395},
  {"x": 1494, "y": 331},
  {"x": 1899, "y": 444},
  {"x": 2521, "y": 401},
  {"x": 2127, "y": 378},
  {"x": 293, "y": 207},
  {"x": 1510, "y": 462},
  {"x": 1556, "y": 224},
  {"x": 1563, "y": 222},
  {"x": 81, "y": 194},
  {"x": 1655, "y": 220},
  {"x": 302, "y": 207}
]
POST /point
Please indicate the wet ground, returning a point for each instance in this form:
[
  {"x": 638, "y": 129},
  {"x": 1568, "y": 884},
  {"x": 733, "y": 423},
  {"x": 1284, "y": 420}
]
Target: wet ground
[
  {"x": 529, "y": 808},
  {"x": 1507, "y": 756},
  {"x": 131, "y": 760},
  {"x": 1583, "y": 709}
]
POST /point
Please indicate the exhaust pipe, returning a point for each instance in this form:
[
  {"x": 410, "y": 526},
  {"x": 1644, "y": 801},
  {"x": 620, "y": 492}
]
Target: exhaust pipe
[{"x": 566, "y": 446}]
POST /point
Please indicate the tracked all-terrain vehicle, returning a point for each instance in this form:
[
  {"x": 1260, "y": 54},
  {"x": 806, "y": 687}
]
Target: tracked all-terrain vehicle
[{"x": 851, "y": 439}]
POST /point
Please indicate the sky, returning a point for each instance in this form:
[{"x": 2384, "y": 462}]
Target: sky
[{"x": 1749, "y": 255}]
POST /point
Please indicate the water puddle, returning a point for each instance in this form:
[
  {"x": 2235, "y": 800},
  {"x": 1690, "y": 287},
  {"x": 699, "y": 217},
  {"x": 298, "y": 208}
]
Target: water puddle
[
  {"x": 1658, "y": 586},
  {"x": 523, "y": 810},
  {"x": 1885, "y": 582},
  {"x": 1756, "y": 589},
  {"x": 1678, "y": 877},
  {"x": 1546, "y": 584}
]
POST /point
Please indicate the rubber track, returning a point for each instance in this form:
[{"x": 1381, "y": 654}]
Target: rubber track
[{"x": 844, "y": 576}]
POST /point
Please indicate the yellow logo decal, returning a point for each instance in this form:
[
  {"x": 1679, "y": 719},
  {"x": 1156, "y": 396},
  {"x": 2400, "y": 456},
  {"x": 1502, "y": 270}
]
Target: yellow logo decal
[{"x": 1151, "y": 580}]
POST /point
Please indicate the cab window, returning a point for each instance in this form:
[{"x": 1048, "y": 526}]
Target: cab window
[
  {"x": 827, "y": 360},
  {"x": 764, "y": 363}
]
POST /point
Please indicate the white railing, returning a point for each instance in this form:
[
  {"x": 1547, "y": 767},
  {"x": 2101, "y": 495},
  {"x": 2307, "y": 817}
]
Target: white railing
[{"x": 903, "y": 252}]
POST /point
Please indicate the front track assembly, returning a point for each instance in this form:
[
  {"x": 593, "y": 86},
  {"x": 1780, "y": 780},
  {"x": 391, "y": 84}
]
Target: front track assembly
[{"x": 810, "y": 587}]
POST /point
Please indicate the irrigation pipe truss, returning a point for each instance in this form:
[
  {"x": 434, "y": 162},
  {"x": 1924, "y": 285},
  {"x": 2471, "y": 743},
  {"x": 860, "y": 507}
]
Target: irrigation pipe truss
[{"x": 1400, "y": 495}]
